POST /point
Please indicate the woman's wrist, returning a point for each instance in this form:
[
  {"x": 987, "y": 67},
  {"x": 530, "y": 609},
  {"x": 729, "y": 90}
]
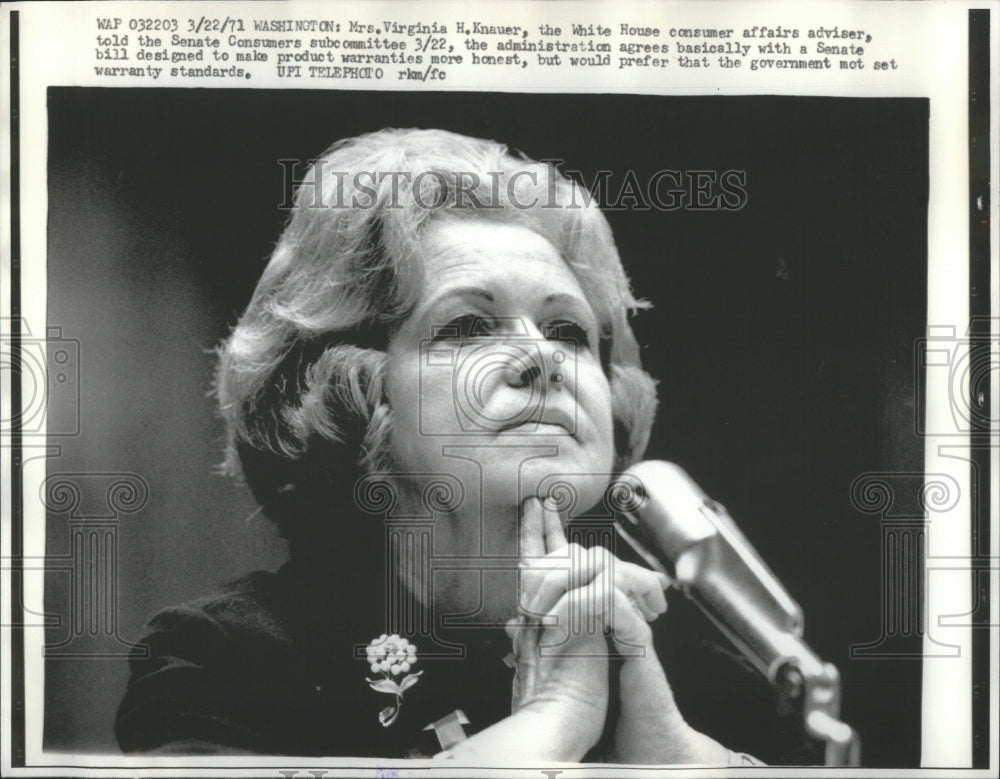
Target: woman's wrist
[
  {"x": 540, "y": 731},
  {"x": 651, "y": 728},
  {"x": 657, "y": 745}
]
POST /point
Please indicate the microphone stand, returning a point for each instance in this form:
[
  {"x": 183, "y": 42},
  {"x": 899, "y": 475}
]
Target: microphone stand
[
  {"x": 717, "y": 568},
  {"x": 819, "y": 694}
]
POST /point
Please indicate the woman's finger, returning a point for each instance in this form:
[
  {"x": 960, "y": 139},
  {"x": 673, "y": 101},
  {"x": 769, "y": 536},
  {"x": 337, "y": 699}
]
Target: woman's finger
[
  {"x": 559, "y": 572},
  {"x": 555, "y": 535},
  {"x": 532, "y": 532},
  {"x": 581, "y": 567},
  {"x": 531, "y": 547},
  {"x": 630, "y": 633},
  {"x": 642, "y": 587},
  {"x": 597, "y": 609}
]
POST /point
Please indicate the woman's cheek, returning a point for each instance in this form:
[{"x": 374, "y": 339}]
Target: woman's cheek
[{"x": 594, "y": 394}]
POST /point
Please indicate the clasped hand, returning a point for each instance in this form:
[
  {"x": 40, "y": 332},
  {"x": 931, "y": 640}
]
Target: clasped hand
[{"x": 579, "y": 609}]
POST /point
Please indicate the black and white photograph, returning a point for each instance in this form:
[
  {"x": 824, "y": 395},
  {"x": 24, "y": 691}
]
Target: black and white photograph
[
  {"x": 483, "y": 429},
  {"x": 335, "y": 466}
]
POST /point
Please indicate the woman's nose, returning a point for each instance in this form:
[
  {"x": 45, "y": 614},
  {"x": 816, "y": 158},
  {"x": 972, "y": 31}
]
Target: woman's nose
[
  {"x": 528, "y": 376},
  {"x": 538, "y": 361},
  {"x": 541, "y": 370}
]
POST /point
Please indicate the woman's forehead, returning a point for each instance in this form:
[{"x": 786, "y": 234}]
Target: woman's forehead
[{"x": 477, "y": 251}]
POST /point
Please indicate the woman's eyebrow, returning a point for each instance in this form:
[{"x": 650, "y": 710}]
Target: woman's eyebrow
[
  {"x": 576, "y": 302},
  {"x": 565, "y": 297},
  {"x": 452, "y": 292},
  {"x": 458, "y": 292},
  {"x": 482, "y": 294}
]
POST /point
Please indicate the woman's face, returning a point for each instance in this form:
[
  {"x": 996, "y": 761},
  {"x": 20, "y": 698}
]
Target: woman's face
[{"x": 496, "y": 378}]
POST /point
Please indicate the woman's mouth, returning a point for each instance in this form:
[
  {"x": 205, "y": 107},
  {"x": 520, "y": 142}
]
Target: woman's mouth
[{"x": 537, "y": 428}]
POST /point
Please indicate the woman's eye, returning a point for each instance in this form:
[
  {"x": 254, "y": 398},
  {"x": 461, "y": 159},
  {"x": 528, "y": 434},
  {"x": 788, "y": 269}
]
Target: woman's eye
[
  {"x": 571, "y": 332},
  {"x": 465, "y": 326}
]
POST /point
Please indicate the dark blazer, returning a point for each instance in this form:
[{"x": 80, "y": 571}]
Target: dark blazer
[{"x": 270, "y": 664}]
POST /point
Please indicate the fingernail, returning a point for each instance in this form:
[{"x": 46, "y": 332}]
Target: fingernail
[{"x": 664, "y": 580}]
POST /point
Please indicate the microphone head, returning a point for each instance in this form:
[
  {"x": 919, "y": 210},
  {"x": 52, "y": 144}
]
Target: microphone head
[{"x": 670, "y": 515}]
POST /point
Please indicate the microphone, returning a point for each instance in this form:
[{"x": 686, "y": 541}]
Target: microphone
[{"x": 678, "y": 530}]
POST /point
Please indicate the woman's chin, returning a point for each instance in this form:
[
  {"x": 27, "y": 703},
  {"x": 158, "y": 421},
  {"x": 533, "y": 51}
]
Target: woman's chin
[{"x": 575, "y": 482}]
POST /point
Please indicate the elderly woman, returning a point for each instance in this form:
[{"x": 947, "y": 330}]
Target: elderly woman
[{"x": 440, "y": 336}]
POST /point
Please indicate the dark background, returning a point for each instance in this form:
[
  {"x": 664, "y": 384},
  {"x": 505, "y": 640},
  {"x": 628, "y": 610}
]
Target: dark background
[{"x": 782, "y": 333}]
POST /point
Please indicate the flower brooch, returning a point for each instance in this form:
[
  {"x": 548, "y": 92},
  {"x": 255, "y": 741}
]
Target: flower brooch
[{"x": 393, "y": 657}]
